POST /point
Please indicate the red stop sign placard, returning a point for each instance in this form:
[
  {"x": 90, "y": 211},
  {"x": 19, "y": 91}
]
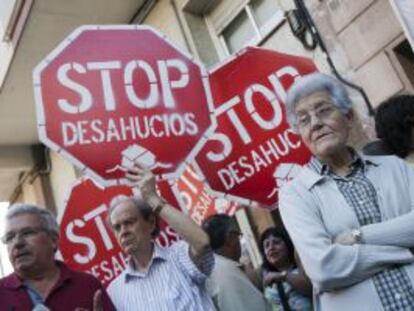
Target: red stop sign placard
[
  {"x": 111, "y": 95},
  {"x": 253, "y": 151},
  {"x": 86, "y": 241},
  {"x": 194, "y": 198}
]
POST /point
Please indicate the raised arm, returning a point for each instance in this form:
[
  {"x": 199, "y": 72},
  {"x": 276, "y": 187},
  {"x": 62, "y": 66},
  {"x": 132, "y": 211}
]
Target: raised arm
[
  {"x": 329, "y": 265},
  {"x": 186, "y": 228}
]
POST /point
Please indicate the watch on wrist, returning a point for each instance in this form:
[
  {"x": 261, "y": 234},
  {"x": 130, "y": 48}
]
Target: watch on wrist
[
  {"x": 159, "y": 207},
  {"x": 157, "y": 204},
  {"x": 357, "y": 235},
  {"x": 284, "y": 274}
]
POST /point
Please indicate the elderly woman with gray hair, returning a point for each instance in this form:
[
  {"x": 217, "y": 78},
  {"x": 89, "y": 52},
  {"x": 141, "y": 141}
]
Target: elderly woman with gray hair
[{"x": 350, "y": 216}]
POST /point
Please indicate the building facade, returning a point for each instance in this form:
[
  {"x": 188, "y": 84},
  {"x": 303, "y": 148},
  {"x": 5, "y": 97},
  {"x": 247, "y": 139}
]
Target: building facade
[{"x": 363, "y": 39}]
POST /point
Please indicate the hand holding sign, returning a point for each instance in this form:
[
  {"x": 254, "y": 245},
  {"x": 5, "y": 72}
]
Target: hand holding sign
[{"x": 143, "y": 180}]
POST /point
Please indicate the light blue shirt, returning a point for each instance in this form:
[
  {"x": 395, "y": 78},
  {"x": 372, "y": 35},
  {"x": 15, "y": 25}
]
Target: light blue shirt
[{"x": 172, "y": 282}]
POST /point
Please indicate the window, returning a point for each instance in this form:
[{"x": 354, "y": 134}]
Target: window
[
  {"x": 239, "y": 32},
  {"x": 5, "y": 265},
  {"x": 256, "y": 20},
  {"x": 7, "y": 9},
  {"x": 401, "y": 56},
  {"x": 405, "y": 57},
  {"x": 13, "y": 15}
]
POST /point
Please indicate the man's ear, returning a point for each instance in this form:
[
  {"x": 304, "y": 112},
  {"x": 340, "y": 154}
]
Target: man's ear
[
  {"x": 55, "y": 239},
  {"x": 155, "y": 221},
  {"x": 227, "y": 243},
  {"x": 350, "y": 115},
  {"x": 408, "y": 121}
]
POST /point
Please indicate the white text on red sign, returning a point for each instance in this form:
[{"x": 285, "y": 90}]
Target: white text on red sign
[
  {"x": 122, "y": 129},
  {"x": 265, "y": 154}
]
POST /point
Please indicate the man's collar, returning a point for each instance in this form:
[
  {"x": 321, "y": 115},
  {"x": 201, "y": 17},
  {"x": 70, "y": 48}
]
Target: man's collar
[
  {"x": 317, "y": 171},
  {"x": 13, "y": 281},
  {"x": 65, "y": 273},
  {"x": 357, "y": 160},
  {"x": 158, "y": 254},
  {"x": 226, "y": 259}
]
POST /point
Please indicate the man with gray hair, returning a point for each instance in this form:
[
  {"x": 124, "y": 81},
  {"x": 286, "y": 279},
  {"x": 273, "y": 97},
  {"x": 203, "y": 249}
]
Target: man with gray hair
[
  {"x": 39, "y": 282},
  {"x": 156, "y": 278}
]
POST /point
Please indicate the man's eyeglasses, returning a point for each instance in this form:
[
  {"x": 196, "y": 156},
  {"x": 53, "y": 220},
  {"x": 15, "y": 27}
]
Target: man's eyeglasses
[
  {"x": 322, "y": 112},
  {"x": 25, "y": 233}
]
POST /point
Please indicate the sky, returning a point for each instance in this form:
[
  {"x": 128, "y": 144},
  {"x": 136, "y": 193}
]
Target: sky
[{"x": 4, "y": 259}]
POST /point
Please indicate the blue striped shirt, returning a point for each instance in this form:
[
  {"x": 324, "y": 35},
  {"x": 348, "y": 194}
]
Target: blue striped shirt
[{"x": 171, "y": 282}]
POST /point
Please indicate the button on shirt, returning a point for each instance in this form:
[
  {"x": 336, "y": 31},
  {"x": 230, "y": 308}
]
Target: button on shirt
[{"x": 171, "y": 282}]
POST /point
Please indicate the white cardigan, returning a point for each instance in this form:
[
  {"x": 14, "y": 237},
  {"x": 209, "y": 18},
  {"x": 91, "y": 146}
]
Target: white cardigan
[{"x": 315, "y": 212}]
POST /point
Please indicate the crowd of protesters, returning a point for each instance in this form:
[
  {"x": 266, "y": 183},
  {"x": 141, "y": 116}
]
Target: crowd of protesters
[{"x": 347, "y": 245}]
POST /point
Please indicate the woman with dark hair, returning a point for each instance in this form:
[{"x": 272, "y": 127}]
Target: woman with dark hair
[
  {"x": 394, "y": 123},
  {"x": 285, "y": 285}
]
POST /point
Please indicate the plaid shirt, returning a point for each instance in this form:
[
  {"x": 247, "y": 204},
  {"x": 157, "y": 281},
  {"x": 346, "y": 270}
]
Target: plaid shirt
[{"x": 393, "y": 285}]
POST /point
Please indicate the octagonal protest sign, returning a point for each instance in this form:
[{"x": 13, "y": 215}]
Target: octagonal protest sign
[
  {"x": 196, "y": 201},
  {"x": 253, "y": 152},
  {"x": 111, "y": 95}
]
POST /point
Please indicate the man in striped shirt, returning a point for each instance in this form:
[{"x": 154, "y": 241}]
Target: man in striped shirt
[{"x": 159, "y": 279}]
